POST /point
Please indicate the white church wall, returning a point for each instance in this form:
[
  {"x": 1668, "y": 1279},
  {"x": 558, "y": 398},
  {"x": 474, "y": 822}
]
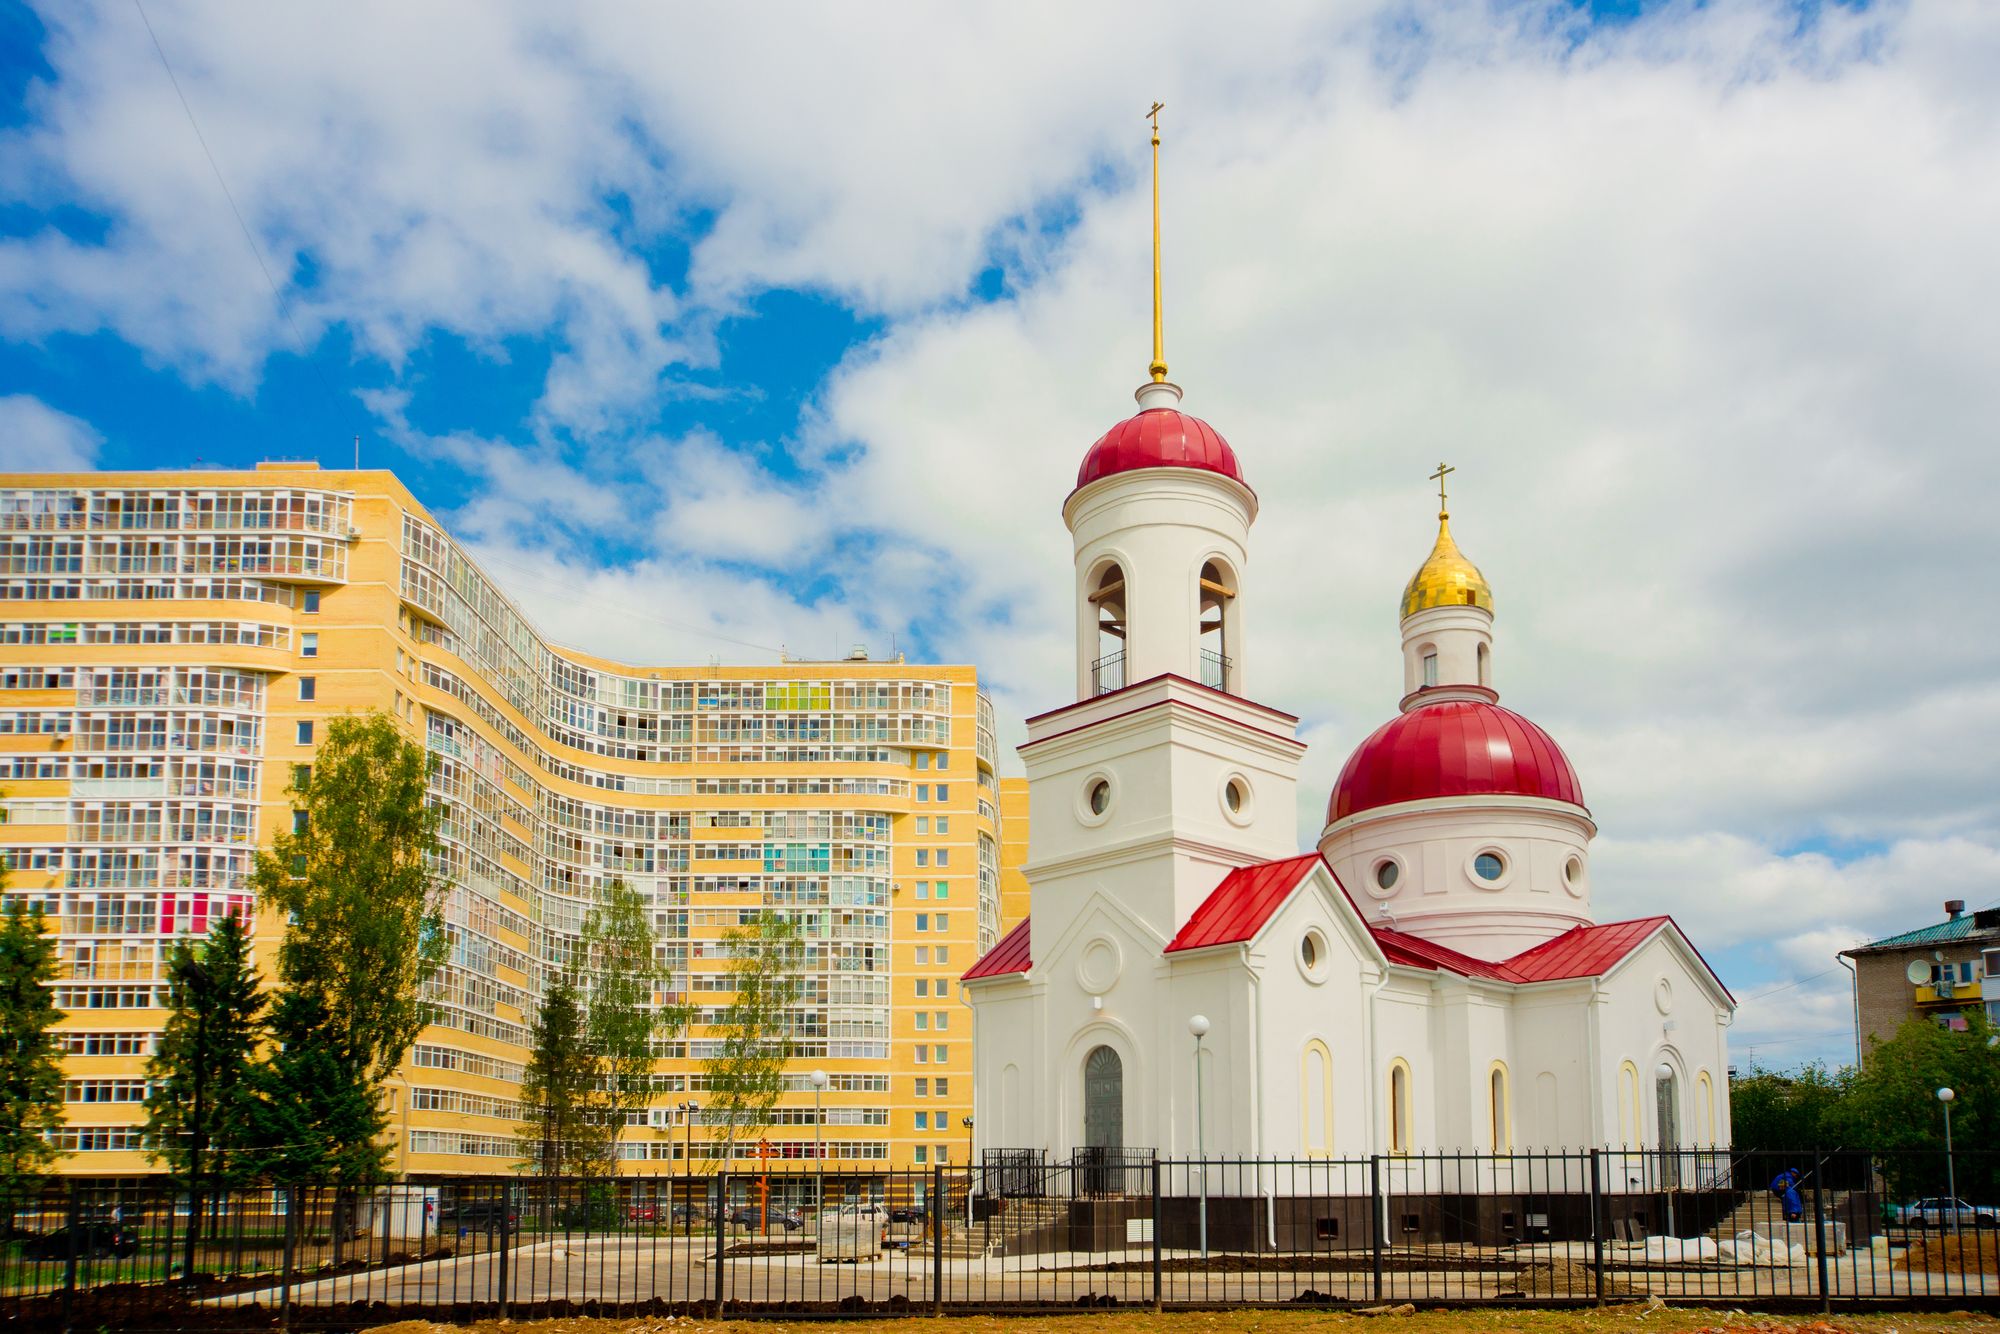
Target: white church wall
[
  {"x": 1555, "y": 1087},
  {"x": 1007, "y": 1031},
  {"x": 1661, "y": 1009}
]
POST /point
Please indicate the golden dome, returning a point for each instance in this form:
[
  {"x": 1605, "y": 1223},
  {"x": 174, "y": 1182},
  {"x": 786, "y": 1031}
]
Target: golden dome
[{"x": 1446, "y": 578}]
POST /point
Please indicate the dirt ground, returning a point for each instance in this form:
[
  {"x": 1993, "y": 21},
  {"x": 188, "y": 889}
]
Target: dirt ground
[
  {"x": 1634, "y": 1318},
  {"x": 1971, "y": 1252}
]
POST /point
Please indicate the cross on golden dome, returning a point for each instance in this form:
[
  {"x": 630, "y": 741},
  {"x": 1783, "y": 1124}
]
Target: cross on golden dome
[
  {"x": 1446, "y": 578},
  {"x": 1158, "y": 370}
]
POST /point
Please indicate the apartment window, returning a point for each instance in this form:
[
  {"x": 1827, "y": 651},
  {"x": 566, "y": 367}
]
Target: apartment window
[
  {"x": 942, "y": 955},
  {"x": 923, "y": 921},
  {"x": 923, "y": 1020},
  {"x": 943, "y": 988},
  {"x": 305, "y": 732},
  {"x": 920, "y": 1155},
  {"x": 923, "y": 986},
  {"x": 923, "y": 792},
  {"x": 923, "y": 824},
  {"x": 923, "y": 889},
  {"x": 944, "y": 921},
  {"x": 299, "y": 819},
  {"x": 943, "y": 890},
  {"x": 923, "y": 759},
  {"x": 923, "y": 954},
  {"x": 309, "y": 644},
  {"x": 923, "y": 1088},
  {"x": 940, "y": 1055},
  {"x": 923, "y": 856},
  {"x": 944, "y": 856},
  {"x": 944, "y": 791},
  {"x": 308, "y": 687},
  {"x": 923, "y": 1120},
  {"x": 309, "y": 602},
  {"x": 944, "y": 824},
  {"x": 943, "y": 1087},
  {"x": 923, "y": 1053},
  {"x": 302, "y": 774},
  {"x": 1993, "y": 963},
  {"x": 941, "y": 1020}
]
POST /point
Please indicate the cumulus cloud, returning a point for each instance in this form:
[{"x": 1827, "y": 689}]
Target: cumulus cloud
[
  {"x": 1701, "y": 305},
  {"x": 35, "y": 437}
]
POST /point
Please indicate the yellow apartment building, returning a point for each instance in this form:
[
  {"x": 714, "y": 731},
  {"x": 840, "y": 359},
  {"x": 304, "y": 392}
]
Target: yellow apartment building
[{"x": 172, "y": 645}]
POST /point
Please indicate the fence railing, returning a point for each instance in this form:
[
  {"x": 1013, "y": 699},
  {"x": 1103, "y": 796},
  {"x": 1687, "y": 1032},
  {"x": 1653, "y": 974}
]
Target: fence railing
[{"x": 1018, "y": 1231}]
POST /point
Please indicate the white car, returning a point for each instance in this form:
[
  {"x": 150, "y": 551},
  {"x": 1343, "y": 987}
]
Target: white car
[{"x": 1944, "y": 1211}]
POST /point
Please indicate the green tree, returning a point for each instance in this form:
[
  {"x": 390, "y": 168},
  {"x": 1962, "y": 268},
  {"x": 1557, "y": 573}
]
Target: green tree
[
  {"x": 30, "y": 1068},
  {"x": 199, "y": 1114},
  {"x": 623, "y": 974},
  {"x": 747, "y": 1073},
  {"x": 556, "y": 1127},
  {"x": 1786, "y": 1113},
  {"x": 317, "y": 1119},
  {"x": 367, "y": 928},
  {"x": 1893, "y": 1107}
]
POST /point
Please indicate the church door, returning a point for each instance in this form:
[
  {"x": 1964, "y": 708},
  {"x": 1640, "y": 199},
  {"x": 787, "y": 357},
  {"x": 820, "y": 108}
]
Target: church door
[
  {"x": 1668, "y": 1109},
  {"x": 1103, "y": 1118}
]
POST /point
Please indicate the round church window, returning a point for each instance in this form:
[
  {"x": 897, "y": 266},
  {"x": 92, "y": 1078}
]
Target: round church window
[
  {"x": 1100, "y": 797},
  {"x": 1489, "y": 866},
  {"x": 1573, "y": 870},
  {"x": 1233, "y": 795},
  {"x": 1386, "y": 874},
  {"x": 1309, "y": 952}
]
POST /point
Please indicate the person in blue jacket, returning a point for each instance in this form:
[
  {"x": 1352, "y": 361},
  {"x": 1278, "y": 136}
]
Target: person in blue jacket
[{"x": 1785, "y": 1186}]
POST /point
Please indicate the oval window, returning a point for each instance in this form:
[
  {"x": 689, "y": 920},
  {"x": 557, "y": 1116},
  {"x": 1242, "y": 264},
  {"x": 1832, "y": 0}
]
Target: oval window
[
  {"x": 1100, "y": 797},
  {"x": 1387, "y": 874},
  {"x": 1573, "y": 870},
  {"x": 1309, "y": 952},
  {"x": 1233, "y": 794},
  {"x": 1489, "y": 866}
]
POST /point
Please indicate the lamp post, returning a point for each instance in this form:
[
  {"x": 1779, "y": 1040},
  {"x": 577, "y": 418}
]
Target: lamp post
[
  {"x": 971, "y": 1169},
  {"x": 1198, "y": 1026},
  {"x": 1945, "y": 1096},
  {"x": 818, "y": 1081},
  {"x": 688, "y": 1110}
]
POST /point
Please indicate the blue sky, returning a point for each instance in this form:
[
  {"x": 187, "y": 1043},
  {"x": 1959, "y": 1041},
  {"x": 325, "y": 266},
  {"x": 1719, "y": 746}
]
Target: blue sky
[{"x": 715, "y": 336}]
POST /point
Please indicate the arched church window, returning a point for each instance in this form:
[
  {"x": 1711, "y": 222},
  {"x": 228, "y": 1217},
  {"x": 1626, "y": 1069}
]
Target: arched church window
[
  {"x": 1486, "y": 666},
  {"x": 1430, "y": 669},
  {"x": 1218, "y": 596},
  {"x": 1399, "y": 1107},
  {"x": 1499, "y": 1118},
  {"x": 1107, "y": 671}
]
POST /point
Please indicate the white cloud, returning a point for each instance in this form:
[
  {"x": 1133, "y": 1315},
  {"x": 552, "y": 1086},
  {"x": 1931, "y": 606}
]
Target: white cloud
[
  {"x": 1702, "y": 306},
  {"x": 35, "y": 437}
]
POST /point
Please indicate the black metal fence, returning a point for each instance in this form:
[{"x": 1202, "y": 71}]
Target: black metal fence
[{"x": 1019, "y": 1232}]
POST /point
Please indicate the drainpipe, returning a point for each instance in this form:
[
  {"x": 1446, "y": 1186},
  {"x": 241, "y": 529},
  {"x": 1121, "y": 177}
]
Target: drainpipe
[{"x": 1854, "y": 985}]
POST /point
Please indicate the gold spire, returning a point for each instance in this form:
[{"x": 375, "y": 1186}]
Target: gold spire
[
  {"x": 1446, "y": 578},
  {"x": 1158, "y": 369}
]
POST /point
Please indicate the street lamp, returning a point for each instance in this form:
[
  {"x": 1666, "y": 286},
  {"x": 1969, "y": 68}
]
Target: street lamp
[
  {"x": 818, "y": 1081},
  {"x": 688, "y": 1110},
  {"x": 971, "y": 1169},
  {"x": 1945, "y": 1096},
  {"x": 1198, "y": 1026}
]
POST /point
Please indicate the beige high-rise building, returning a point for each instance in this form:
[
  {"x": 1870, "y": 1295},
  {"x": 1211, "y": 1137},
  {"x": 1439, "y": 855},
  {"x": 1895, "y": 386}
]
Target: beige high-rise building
[{"x": 172, "y": 645}]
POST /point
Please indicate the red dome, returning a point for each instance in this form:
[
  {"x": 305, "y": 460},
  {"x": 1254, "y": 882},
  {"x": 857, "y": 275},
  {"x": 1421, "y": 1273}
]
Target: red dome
[
  {"x": 1453, "y": 748},
  {"x": 1159, "y": 438}
]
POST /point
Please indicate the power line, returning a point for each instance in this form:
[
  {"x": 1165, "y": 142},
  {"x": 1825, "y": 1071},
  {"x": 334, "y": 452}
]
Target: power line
[{"x": 249, "y": 238}]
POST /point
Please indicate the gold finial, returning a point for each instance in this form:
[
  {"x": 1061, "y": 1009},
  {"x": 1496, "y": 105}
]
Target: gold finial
[
  {"x": 1158, "y": 369},
  {"x": 1444, "y": 471}
]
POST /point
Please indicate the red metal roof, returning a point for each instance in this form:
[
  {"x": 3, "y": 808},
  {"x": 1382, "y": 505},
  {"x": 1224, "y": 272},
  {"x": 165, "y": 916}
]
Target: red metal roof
[
  {"x": 1237, "y": 909},
  {"x": 1453, "y": 748},
  {"x": 1159, "y": 438},
  {"x": 1009, "y": 956},
  {"x": 1416, "y": 952},
  {"x": 1584, "y": 951}
]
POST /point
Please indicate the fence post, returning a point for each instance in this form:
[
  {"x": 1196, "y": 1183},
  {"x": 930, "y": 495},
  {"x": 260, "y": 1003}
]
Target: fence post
[
  {"x": 1378, "y": 1219},
  {"x": 69, "y": 1261},
  {"x": 721, "y": 1236},
  {"x": 1156, "y": 1234},
  {"x": 1597, "y": 1222},
  {"x": 937, "y": 1239},
  {"x": 292, "y": 1194},
  {"x": 506, "y": 1243},
  {"x": 1819, "y": 1231}
]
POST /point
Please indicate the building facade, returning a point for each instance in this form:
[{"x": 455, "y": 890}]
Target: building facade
[
  {"x": 171, "y": 648},
  {"x": 1943, "y": 972}
]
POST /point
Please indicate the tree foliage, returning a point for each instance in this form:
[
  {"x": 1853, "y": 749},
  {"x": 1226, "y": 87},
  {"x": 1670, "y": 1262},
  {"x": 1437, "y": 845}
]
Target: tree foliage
[
  {"x": 747, "y": 1073},
  {"x": 317, "y": 1119},
  {"x": 1893, "y": 1107},
  {"x": 30, "y": 1067},
  {"x": 367, "y": 927},
  {"x": 623, "y": 976},
  {"x": 200, "y": 1115},
  {"x": 557, "y": 1131},
  {"x": 1786, "y": 1113}
]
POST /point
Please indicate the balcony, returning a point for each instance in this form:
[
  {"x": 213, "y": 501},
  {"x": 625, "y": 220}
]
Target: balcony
[
  {"x": 1215, "y": 670},
  {"x": 1107, "y": 674}
]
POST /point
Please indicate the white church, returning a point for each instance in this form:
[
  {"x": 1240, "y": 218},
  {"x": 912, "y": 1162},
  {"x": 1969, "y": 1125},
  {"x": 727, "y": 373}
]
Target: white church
[{"x": 1430, "y": 979}]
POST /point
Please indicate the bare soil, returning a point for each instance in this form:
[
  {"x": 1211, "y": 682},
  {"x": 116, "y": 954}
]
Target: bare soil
[{"x": 1966, "y": 1253}]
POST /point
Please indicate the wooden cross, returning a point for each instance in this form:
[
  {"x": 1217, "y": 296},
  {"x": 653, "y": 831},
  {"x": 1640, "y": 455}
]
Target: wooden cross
[{"x": 1444, "y": 470}]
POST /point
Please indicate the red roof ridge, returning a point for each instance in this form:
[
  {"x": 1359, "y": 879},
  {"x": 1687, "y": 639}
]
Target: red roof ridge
[
  {"x": 1241, "y": 903},
  {"x": 1011, "y": 955}
]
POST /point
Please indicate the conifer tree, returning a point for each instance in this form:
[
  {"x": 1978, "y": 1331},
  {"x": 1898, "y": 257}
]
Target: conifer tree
[
  {"x": 556, "y": 1127},
  {"x": 30, "y": 1067}
]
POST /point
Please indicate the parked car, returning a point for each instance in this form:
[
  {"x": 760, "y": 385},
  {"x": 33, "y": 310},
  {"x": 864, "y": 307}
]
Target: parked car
[
  {"x": 689, "y": 1213},
  {"x": 477, "y": 1216},
  {"x": 1944, "y": 1211},
  {"x": 642, "y": 1213},
  {"x": 93, "y": 1241},
  {"x": 751, "y": 1216}
]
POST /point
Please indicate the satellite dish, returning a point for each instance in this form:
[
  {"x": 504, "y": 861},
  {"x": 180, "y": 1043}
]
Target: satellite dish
[{"x": 1919, "y": 972}]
